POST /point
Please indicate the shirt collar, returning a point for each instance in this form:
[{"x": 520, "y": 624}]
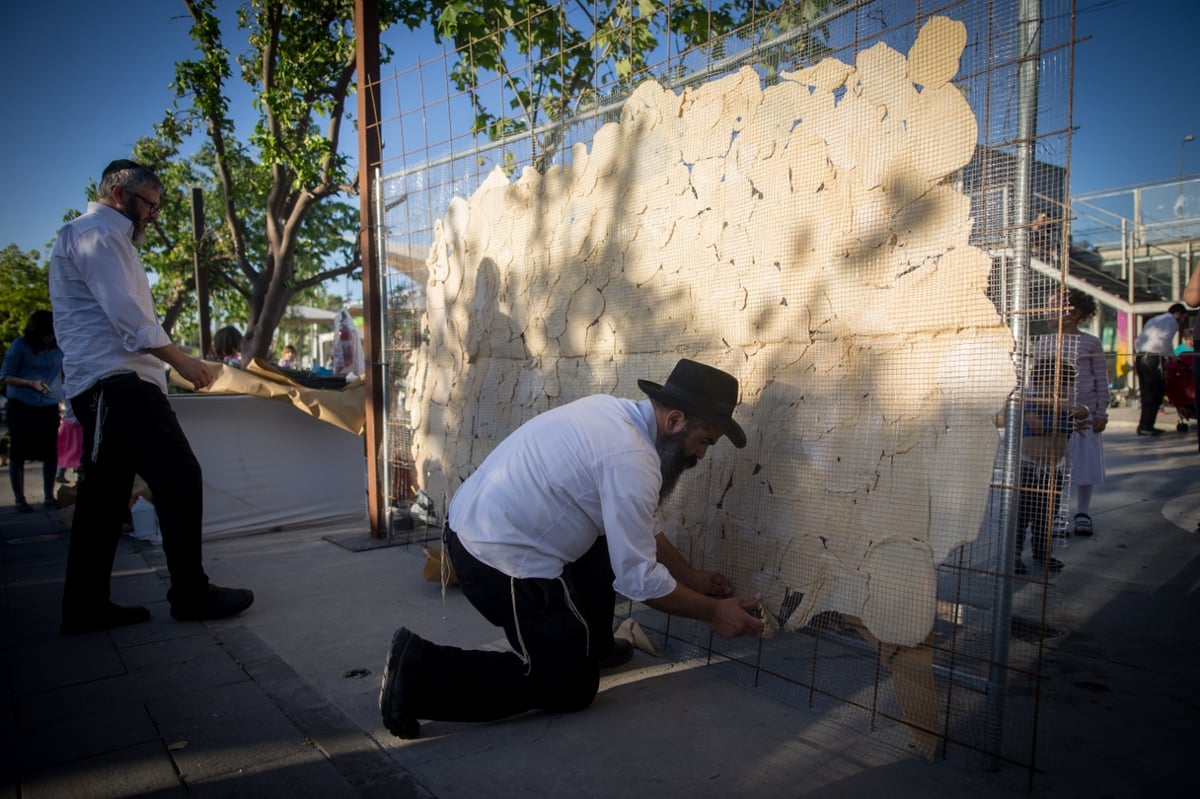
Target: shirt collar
[
  {"x": 651, "y": 423},
  {"x": 113, "y": 217}
]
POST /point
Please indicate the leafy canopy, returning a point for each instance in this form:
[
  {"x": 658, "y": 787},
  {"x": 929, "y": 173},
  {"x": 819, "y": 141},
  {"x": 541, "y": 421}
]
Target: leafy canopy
[
  {"x": 552, "y": 58},
  {"x": 281, "y": 230},
  {"x": 24, "y": 288}
]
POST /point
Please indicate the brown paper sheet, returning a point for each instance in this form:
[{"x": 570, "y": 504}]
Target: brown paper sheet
[
  {"x": 916, "y": 689},
  {"x": 344, "y": 408}
]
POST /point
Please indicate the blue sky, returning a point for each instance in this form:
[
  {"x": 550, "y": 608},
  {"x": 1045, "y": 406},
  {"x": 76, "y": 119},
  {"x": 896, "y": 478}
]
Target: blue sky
[{"x": 81, "y": 87}]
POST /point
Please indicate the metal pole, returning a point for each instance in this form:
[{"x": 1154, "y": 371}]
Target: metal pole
[
  {"x": 385, "y": 398},
  {"x": 366, "y": 38},
  {"x": 1029, "y": 49},
  {"x": 1139, "y": 228},
  {"x": 1131, "y": 256},
  {"x": 1186, "y": 139},
  {"x": 1125, "y": 252},
  {"x": 200, "y": 270}
]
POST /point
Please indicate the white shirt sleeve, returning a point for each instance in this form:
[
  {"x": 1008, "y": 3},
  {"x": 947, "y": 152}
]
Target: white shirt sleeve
[
  {"x": 111, "y": 268},
  {"x": 629, "y": 497}
]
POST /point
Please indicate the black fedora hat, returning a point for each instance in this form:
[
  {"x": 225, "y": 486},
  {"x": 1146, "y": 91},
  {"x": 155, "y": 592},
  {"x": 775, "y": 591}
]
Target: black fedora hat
[{"x": 703, "y": 391}]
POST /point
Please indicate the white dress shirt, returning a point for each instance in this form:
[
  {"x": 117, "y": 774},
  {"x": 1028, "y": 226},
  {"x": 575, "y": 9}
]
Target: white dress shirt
[
  {"x": 1157, "y": 336},
  {"x": 104, "y": 316},
  {"x": 1090, "y": 364},
  {"x": 565, "y": 477}
]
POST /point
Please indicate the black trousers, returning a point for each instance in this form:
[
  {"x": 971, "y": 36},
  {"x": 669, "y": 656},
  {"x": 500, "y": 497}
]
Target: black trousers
[
  {"x": 1196, "y": 384},
  {"x": 130, "y": 428},
  {"x": 1041, "y": 492},
  {"x": 33, "y": 432},
  {"x": 558, "y": 630},
  {"x": 1151, "y": 387}
]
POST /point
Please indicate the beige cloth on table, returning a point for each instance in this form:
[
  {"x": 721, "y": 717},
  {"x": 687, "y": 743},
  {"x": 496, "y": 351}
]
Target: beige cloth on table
[{"x": 343, "y": 407}]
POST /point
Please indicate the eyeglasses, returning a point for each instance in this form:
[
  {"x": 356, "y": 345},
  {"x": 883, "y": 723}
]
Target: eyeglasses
[{"x": 152, "y": 206}]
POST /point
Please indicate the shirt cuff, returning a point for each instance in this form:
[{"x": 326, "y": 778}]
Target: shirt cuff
[
  {"x": 649, "y": 583},
  {"x": 147, "y": 337}
]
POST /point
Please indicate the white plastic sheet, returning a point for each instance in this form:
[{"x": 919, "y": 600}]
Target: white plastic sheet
[{"x": 268, "y": 466}]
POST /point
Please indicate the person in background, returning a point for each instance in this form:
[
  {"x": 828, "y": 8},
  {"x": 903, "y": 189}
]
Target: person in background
[
  {"x": 114, "y": 354},
  {"x": 32, "y": 372},
  {"x": 556, "y": 519},
  {"x": 1085, "y": 451},
  {"x": 1154, "y": 345},
  {"x": 227, "y": 346},
  {"x": 1187, "y": 345},
  {"x": 288, "y": 359},
  {"x": 1191, "y": 295},
  {"x": 1050, "y": 419},
  {"x": 70, "y": 443}
]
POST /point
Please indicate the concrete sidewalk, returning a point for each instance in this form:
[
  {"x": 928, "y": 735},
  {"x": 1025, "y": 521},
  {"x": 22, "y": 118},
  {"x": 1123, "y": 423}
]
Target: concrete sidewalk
[{"x": 281, "y": 701}]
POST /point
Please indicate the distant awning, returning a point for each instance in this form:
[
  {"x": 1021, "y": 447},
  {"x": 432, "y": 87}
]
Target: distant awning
[
  {"x": 410, "y": 259},
  {"x": 306, "y": 313}
]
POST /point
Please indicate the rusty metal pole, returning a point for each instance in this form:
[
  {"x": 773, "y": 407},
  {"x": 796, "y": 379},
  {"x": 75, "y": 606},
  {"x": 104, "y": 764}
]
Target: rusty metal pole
[
  {"x": 200, "y": 269},
  {"x": 366, "y": 36}
]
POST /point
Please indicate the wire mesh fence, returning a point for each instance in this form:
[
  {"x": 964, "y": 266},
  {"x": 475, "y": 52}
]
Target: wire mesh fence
[{"x": 857, "y": 208}]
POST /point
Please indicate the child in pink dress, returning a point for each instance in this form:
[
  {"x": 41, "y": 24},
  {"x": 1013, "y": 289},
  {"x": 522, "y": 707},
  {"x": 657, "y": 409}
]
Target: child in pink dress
[{"x": 70, "y": 443}]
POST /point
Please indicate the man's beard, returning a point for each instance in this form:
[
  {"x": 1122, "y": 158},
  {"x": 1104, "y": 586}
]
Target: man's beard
[
  {"x": 673, "y": 461},
  {"x": 138, "y": 236}
]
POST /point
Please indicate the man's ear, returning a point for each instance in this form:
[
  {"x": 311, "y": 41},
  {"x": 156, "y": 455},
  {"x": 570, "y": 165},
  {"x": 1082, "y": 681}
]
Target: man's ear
[{"x": 676, "y": 421}]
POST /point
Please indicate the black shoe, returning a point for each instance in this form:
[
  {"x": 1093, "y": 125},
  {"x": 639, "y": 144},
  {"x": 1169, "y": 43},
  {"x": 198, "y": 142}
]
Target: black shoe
[
  {"x": 1149, "y": 431},
  {"x": 109, "y": 616},
  {"x": 392, "y": 706},
  {"x": 620, "y": 654},
  {"x": 50, "y": 504},
  {"x": 1020, "y": 569},
  {"x": 1083, "y": 525},
  {"x": 24, "y": 507},
  {"x": 1052, "y": 565},
  {"x": 216, "y": 603}
]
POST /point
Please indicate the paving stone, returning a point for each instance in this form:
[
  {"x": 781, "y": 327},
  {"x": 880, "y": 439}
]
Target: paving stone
[
  {"x": 208, "y": 669},
  {"x": 118, "y": 727},
  {"x": 142, "y": 770},
  {"x": 62, "y": 661},
  {"x": 198, "y": 644},
  {"x": 226, "y": 729},
  {"x": 303, "y": 774}
]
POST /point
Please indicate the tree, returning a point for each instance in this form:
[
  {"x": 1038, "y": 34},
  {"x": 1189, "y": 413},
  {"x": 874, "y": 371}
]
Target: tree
[
  {"x": 267, "y": 244},
  {"x": 554, "y": 58},
  {"x": 300, "y": 63},
  {"x": 171, "y": 240},
  {"x": 24, "y": 288}
]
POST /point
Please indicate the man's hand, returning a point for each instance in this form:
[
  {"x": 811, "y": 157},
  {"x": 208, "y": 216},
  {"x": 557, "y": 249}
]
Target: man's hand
[
  {"x": 1098, "y": 424},
  {"x": 190, "y": 369},
  {"x": 733, "y": 619},
  {"x": 708, "y": 583},
  {"x": 702, "y": 582},
  {"x": 194, "y": 371}
]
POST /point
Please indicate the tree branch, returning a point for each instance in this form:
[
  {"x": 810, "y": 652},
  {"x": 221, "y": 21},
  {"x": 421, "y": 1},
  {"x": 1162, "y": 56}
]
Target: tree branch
[{"x": 328, "y": 274}]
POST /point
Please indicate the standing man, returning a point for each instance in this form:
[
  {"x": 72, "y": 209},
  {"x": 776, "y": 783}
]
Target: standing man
[
  {"x": 559, "y": 515},
  {"x": 114, "y": 351},
  {"x": 1191, "y": 295},
  {"x": 1154, "y": 345}
]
